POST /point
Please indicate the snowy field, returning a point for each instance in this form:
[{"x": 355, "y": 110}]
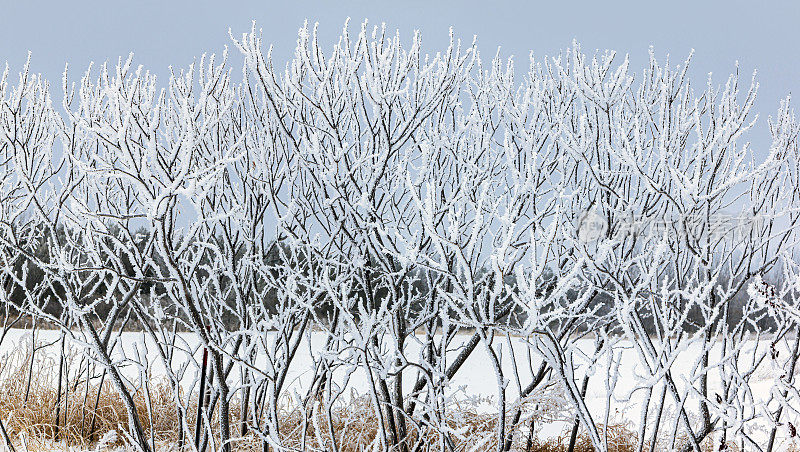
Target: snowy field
[{"x": 617, "y": 393}]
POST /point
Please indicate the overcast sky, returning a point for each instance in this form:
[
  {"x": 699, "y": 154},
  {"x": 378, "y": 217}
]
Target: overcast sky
[{"x": 761, "y": 35}]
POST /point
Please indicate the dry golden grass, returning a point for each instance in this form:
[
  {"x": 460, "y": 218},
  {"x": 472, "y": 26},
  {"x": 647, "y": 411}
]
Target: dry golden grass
[
  {"x": 32, "y": 414},
  {"x": 82, "y": 426}
]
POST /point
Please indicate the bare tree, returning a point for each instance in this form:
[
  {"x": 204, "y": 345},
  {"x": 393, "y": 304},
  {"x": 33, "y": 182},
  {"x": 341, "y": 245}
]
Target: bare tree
[{"x": 395, "y": 217}]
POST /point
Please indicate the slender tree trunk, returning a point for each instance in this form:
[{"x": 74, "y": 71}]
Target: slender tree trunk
[
  {"x": 30, "y": 368},
  {"x": 790, "y": 376},
  {"x": 200, "y": 399},
  {"x": 6, "y": 438},
  {"x": 573, "y": 437},
  {"x": 134, "y": 423},
  {"x": 245, "y": 405},
  {"x": 529, "y": 441},
  {"x": 58, "y": 391},
  {"x": 224, "y": 403},
  {"x": 96, "y": 404},
  {"x": 657, "y": 423}
]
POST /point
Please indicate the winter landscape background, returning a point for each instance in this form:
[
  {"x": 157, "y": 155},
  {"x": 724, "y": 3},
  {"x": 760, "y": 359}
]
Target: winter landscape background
[{"x": 375, "y": 243}]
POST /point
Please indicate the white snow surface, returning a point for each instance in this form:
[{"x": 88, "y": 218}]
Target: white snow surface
[{"x": 615, "y": 392}]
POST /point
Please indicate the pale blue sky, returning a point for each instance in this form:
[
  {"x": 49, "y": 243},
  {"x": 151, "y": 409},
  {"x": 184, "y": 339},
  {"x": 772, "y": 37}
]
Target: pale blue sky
[{"x": 760, "y": 34}]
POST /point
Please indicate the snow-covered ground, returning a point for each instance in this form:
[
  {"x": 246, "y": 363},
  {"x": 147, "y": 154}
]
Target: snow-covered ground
[{"x": 616, "y": 392}]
